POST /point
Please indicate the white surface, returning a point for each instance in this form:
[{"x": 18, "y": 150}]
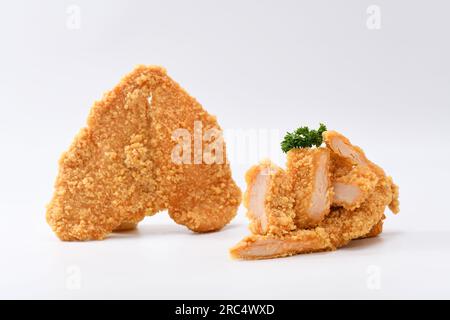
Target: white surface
[
  {"x": 257, "y": 65},
  {"x": 162, "y": 260}
]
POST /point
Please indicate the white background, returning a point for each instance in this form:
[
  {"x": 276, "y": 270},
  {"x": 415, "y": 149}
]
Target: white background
[{"x": 257, "y": 65}]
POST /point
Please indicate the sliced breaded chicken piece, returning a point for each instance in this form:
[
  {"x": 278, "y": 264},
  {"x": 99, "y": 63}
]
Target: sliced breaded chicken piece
[
  {"x": 309, "y": 171},
  {"x": 349, "y": 153},
  {"x": 272, "y": 246},
  {"x": 270, "y": 207},
  {"x": 353, "y": 175},
  {"x": 353, "y": 188},
  {"x": 336, "y": 230}
]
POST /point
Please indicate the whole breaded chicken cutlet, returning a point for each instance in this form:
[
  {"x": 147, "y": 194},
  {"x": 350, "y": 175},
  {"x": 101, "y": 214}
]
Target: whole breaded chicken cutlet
[{"x": 121, "y": 166}]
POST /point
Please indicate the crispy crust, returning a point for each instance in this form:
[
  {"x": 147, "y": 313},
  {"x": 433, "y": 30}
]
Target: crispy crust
[
  {"x": 119, "y": 167},
  {"x": 394, "y": 205},
  {"x": 375, "y": 231},
  {"x": 303, "y": 165}
]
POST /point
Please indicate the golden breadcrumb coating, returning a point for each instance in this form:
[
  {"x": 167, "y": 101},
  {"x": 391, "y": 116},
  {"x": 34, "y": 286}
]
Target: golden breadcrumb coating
[
  {"x": 344, "y": 223},
  {"x": 375, "y": 231},
  {"x": 126, "y": 226},
  {"x": 119, "y": 167},
  {"x": 312, "y": 192},
  {"x": 268, "y": 200}
]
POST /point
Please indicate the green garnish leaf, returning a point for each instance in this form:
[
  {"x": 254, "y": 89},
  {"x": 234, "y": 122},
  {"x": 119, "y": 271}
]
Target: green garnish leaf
[{"x": 303, "y": 138}]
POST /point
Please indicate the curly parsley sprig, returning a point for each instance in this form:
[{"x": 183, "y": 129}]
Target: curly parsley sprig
[{"x": 303, "y": 138}]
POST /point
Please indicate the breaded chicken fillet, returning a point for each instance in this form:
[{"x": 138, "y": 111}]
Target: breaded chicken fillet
[
  {"x": 120, "y": 167},
  {"x": 312, "y": 192},
  {"x": 268, "y": 199}
]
